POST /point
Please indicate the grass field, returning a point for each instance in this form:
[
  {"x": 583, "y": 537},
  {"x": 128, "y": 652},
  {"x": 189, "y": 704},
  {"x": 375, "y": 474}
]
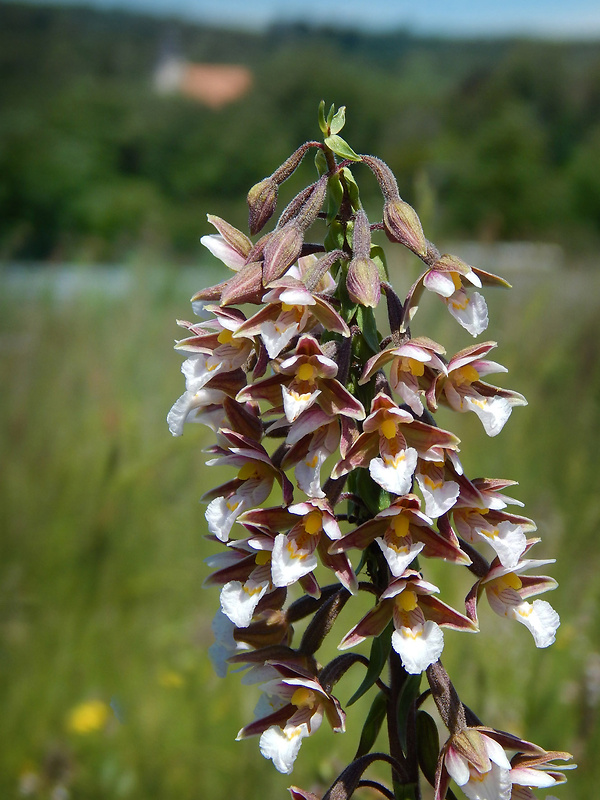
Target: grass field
[{"x": 102, "y": 548}]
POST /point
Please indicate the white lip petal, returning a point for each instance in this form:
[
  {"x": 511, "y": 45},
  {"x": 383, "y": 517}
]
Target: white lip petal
[{"x": 418, "y": 647}]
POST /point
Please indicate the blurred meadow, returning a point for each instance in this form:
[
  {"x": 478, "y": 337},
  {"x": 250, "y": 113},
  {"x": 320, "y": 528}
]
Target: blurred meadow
[{"x": 108, "y": 691}]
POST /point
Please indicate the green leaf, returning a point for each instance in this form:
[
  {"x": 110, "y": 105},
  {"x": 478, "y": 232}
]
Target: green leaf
[
  {"x": 330, "y": 114},
  {"x": 339, "y": 120},
  {"x": 322, "y": 120},
  {"x": 341, "y": 148},
  {"x": 378, "y": 256},
  {"x": 408, "y": 695},
  {"x": 335, "y": 237},
  {"x": 380, "y": 649},
  {"x": 372, "y": 725},
  {"x": 365, "y": 319},
  {"x": 428, "y": 745},
  {"x": 321, "y": 163},
  {"x": 336, "y": 195},
  {"x": 352, "y": 187}
]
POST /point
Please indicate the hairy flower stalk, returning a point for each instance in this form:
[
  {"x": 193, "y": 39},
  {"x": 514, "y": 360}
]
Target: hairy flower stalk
[{"x": 342, "y": 481}]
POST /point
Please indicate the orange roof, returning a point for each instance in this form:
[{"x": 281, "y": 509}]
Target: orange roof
[{"x": 215, "y": 85}]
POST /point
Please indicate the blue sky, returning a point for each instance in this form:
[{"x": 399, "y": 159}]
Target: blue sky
[{"x": 554, "y": 18}]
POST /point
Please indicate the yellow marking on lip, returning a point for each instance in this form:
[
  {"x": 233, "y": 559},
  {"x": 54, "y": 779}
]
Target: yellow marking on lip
[
  {"x": 407, "y": 600},
  {"x": 313, "y": 523},
  {"x": 306, "y": 372},
  {"x": 388, "y": 428},
  {"x": 400, "y": 525},
  {"x": 225, "y": 337},
  {"x": 464, "y": 375},
  {"x": 456, "y": 280},
  {"x": 304, "y": 698}
]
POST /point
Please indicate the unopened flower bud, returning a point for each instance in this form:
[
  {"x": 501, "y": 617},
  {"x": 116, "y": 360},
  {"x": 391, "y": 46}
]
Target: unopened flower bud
[
  {"x": 361, "y": 235},
  {"x": 363, "y": 282},
  {"x": 244, "y": 287},
  {"x": 262, "y": 199},
  {"x": 283, "y": 248},
  {"x": 234, "y": 238},
  {"x": 289, "y": 166},
  {"x": 402, "y": 225},
  {"x": 309, "y": 211}
]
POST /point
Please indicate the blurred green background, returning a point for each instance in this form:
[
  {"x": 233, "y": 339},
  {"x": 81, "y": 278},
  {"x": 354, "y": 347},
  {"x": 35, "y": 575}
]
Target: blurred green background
[{"x": 104, "y": 185}]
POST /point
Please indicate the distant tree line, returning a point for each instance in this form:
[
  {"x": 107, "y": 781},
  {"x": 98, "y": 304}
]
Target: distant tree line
[{"x": 503, "y": 135}]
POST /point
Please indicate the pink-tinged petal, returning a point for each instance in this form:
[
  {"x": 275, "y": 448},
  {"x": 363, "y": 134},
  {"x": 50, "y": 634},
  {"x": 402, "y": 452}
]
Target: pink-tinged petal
[
  {"x": 394, "y": 472},
  {"x": 439, "y": 282},
  {"x": 375, "y": 363},
  {"x": 292, "y": 558},
  {"x": 372, "y": 624},
  {"x": 409, "y": 390},
  {"x": 362, "y": 536},
  {"x": 309, "y": 422},
  {"x": 300, "y": 794},
  {"x": 283, "y": 745},
  {"x": 223, "y": 251},
  {"x": 439, "y": 546},
  {"x": 335, "y": 399},
  {"x": 269, "y": 389},
  {"x": 443, "y": 614},
  {"x": 418, "y": 647},
  {"x": 526, "y": 776},
  {"x": 457, "y": 766},
  {"x": 536, "y": 584},
  {"x": 310, "y": 585},
  {"x": 270, "y": 519},
  {"x": 328, "y": 317},
  {"x": 470, "y": 354},
  {"x": 239, "y": 601},
  {"x": 428, "y": 440},
  {"x": 340, "y": 564}
]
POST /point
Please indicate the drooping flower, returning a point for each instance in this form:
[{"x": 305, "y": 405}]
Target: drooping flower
[
  {"x": 414, "y": 366},
  {"x": 305, "y": 378},
  {"x": 252, "y": 486},
  {"x": 300, "y": 703},
  {"x": 417, "y": 617},
  {"x": 309, "y": 527},
  {"x": 390, "y": 444},
  {"x": 507, "y": 591},
  {"x": 449, "y": 277},
  {"x": 463, "y": 390},
  {"x": 402, "y": 531},
  {"x": 289, "y": 310},
  {"x": 476, "y": 760}
]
